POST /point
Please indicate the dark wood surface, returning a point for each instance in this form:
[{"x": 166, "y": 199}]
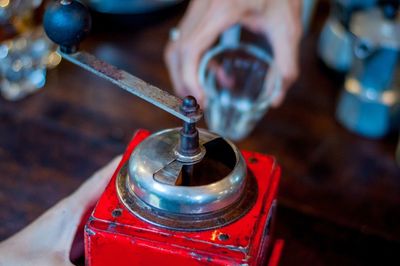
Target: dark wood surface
[{"x": 339, "y": 200}]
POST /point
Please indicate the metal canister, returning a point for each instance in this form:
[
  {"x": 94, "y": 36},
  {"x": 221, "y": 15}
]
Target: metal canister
[
  {"x": 370, "y": 95},
  {"x": 335, "y": 41}
]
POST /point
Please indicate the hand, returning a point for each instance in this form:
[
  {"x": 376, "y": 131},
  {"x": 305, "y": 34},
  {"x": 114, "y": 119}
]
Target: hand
[
  {"x": 48, "y": 240},
  {"x": 205, "y": 20}
]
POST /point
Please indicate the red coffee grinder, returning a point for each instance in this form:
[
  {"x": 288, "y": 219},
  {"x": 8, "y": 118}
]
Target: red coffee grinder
[{"x": 181, "y": 196}]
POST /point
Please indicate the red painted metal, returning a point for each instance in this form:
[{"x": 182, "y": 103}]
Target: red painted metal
[
  {"x": 114, "y": 236},
  {"x": 276, "y": 253}
]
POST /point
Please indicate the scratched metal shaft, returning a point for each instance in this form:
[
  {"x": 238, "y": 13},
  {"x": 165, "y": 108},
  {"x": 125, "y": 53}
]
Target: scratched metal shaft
[{"x": 132, "y": 84}]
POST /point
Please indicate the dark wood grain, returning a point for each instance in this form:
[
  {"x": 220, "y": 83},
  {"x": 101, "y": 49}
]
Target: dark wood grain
[{"x": 340, "y": 193}]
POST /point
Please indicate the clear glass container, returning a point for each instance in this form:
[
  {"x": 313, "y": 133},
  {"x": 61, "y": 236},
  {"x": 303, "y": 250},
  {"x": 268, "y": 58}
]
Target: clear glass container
[{"x": 240, "y": 83}]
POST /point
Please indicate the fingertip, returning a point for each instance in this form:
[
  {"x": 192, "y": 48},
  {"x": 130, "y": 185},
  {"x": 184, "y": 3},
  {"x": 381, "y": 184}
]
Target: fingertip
[
  {"x": 195, "y": 89},
  {"x": 199, "y": 95},
  {"x": 166, "y": 53},
  {"x": 277, "y": 102},
  {"x": 202, "y": 101},
  {"x": 169, "y": 51},
  {"x": 117, "y": 159},
  {"x": 173, "y": 62},
  {"x": 181, "y": 91}
]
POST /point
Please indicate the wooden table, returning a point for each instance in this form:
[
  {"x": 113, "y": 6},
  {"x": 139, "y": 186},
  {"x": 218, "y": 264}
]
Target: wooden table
[{"x": 340, "y": 193}]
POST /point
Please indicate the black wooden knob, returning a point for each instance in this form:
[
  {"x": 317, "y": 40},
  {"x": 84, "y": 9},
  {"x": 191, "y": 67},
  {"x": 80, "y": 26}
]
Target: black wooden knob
[{"x": 67, "y": 22}]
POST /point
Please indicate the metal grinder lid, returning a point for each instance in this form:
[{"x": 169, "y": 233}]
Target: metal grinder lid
[{"x": 218, "y": 178}]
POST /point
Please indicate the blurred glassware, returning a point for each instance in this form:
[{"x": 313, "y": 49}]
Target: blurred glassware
[
  {"x": 26, "y": 53},
  {"x": 240, "y": 82},
  {"x": 16, "y": 8},
  {"x": 23, "y": 63}
]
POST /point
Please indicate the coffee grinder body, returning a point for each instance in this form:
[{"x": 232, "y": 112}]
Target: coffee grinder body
[{"x": 115, "y": 236}]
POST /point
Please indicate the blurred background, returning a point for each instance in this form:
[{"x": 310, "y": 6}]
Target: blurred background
[{"x": 335, "y": 135}]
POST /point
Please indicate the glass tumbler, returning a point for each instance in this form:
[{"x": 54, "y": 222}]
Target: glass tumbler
[{"x": 240, "y": 82}]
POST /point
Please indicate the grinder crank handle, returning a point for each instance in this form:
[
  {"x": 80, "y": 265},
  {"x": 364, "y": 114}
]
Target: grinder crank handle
[{"x": 67, "y": 22}]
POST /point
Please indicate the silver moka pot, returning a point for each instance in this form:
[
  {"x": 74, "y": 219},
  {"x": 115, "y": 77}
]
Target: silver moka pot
[
  {"x": 335, "y": 42},
  {"x": 370, "y": 100}
]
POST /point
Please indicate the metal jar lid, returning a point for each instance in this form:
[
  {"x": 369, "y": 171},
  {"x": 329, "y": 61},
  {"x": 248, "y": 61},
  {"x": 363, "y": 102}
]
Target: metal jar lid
[{"x": 157, "y": 155}]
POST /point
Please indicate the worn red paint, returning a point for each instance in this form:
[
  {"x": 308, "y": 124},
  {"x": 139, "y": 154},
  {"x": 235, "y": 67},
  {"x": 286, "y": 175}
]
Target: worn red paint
[{"x": 120, "y": 238}]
